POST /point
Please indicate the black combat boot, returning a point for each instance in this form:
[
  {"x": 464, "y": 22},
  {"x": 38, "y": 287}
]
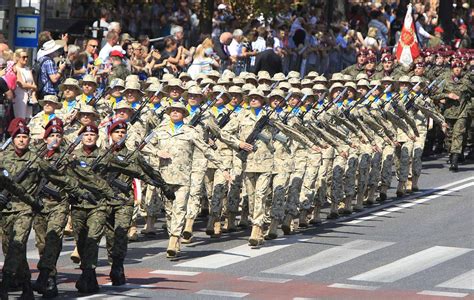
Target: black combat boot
[
  {"x": 41, "y": 283},
  {"x": 81, "y": 283},
  {"x": 117, "y": 272},
  {"x": 93, "y": 284},
  {"x": 454, "y": 162},
  {"x": 7, "y": 281},
  {"x": 52, "y": 288},
  {"x": 27, "y": 291}
]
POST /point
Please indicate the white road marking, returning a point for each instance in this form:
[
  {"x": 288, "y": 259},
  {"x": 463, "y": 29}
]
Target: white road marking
[
  {"x": 353, "y": 287},
  {"x": 239, "y": 254},
  {"x": 398, "y": 207},
  {"x": 129, "y": 286},
  {"x": 443, "y": 294},
  {"x": 464, "y": 281},
  {"x": 265, "y": 279},
  {"x": 222, "y": 293},
  {"x": 329, "y": 258},
  {"x": 177, "y": 273},
  {"x": 412, "y": 264}
]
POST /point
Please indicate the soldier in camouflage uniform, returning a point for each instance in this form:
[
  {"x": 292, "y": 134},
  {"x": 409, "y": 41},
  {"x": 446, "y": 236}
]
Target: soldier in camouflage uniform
[{"x": 51, "y": 108}]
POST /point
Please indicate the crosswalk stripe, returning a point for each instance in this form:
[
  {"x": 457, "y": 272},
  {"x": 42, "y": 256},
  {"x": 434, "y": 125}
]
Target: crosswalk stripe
[
  {"x": 353, "y": 287},
  {"x": 443, "y": 294},
  {"x": 176, "y": 273},
  {"x": 464, "y": 281},
  {"x": 238, "y": 254},
  {"x": 329, "y": 258},
  {"x": 411, "y": 264},
  {"x": 222, "y": 293}
]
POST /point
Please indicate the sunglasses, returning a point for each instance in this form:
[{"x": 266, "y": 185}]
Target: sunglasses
[
  {"x": 94, "y": 46},
  {"x": 25, "y": 56}
]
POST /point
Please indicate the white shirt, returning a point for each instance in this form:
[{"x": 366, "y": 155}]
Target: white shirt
[
  {"x": 103, "y": 24},
  {"x": 235, "y": 48},
  {"x": 259, "y": 46},
  {"x": 105, "y": 52}
]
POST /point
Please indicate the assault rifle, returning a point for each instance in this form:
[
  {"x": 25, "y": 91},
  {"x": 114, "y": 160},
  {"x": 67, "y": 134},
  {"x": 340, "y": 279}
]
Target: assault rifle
[
  {"x": 136, "y": 115},
  {"x": 315, "y": 104},
  {"x": 331, "y": 104},
  {"x": 196, "y": 119}
]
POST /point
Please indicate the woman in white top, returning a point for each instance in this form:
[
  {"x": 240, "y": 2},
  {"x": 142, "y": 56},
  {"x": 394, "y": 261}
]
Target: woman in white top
[
  {"x": 25, "y": 91},
  {"x": 203, "y": 61},
  {"x": 371, "y": 41}
]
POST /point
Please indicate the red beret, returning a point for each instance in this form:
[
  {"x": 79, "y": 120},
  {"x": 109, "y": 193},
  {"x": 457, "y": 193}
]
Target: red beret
[
  {"x": 385, "y": 50},
  {"x": 456, "y": 64},
  {"x": 89, "y": 128},
  {"x": 120, "y": 124},
  {"x": 420, "y": 65},
  {"x": 19, "y": 130},
  {"x": 388, "y": 57},
  {"x": 53, "y": 129},
  {"x": 54, "y": 122},
  {"x": 371, "y": 59},
  {"x": 362, "y": 51},
  {"x": 15, "y": 123}
]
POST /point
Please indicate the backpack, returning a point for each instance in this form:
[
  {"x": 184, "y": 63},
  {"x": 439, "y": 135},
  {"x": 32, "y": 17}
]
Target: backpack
[{"x": 36, "y": 70}]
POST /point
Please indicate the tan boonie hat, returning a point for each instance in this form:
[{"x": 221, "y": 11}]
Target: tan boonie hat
[
  {"x": 347, "y": 77},
  {"x": 416, "y": 79},
  {"x": 295, "y": 92},
  {"x": 228, "y": 73},
  {"x": 306, "y": 82},
  {"x": 117, "y": 82},
  {"x": 246, "y": 88},
  {"x": 167, "y": 77},
  {"x": 337, "y": 77},
  {"x": 264, "y": 87},
  {"x": 312, "y": 74},
  {"x": 89, "y": 78},
  {"x": 217, "y": 89},
  {"x": 184, "y": 75},
  {"x": 320, "y": 78},
  {"x": 50, "y": 99},
  {"x": 294, "y": 81},
  {"x": 155, "y": 87},
  {"x": 277, "y": 93},
  {"x": 207, "y": 81},
  {"x": 336, "y": 85},
  {"x": 69, "y": 82},
  {"x": 87, "y": 109},
  {"x": 243, "y": 74},
  {"x": 132, "y": 85},
  {"x": 284, "y": 85},
  {"x": 213, "y": 73},
  {"x": 404, "y": 78},
  {"x": 194, "y": 90},
  {"x": 363, "y": 82},
  {"x": 351, "y": 85},
  {"x": 307, "y": 92},
  {"x": 223, "y": 80},
  {"x": 123, "y": 105},
  {"x": 200, "y": 76},
  {"x": 238, "y": 81},
  {"x": 319, "y": 87},
  {"x": 190, "y": 83},
  {"x": 258, "y": 93},
  {"x": 235, "y": 89},
  {"x": 132, "y": 77},
  {"x": 151, "y": 80},
  {"x": 375, "y": 82},
  {"x": 279, "y": 77},
  {"x": 294, "y": 74},
  {"x": 250, "y": 76},
  {"x": 361, "y": 76},
  {"x": 387, "y": 79},
  {"x": 175, "y": 82},
  {"x": 264, "y": 76},
  {"x": 177, "y": 105}
]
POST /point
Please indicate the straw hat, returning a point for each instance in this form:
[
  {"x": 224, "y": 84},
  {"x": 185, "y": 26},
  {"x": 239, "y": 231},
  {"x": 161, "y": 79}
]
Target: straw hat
[
  {"x": 69, "y": 82},
  {"x": 50, "y": 47}
]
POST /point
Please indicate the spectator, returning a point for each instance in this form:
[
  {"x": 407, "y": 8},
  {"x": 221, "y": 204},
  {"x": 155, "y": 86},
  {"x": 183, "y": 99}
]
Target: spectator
[
  {"x": 437, "y": 39},
  {"x": 25, "y": 96},
  {"x": 465, "y": 39},
  {"x": 268, "y": 60},
  {"x": 221, "y": 48},
  {"x": 204, "y": 60},
  {"x": 101, "y": 24},
  {"x": 49, "y": 74},
  {"x": 371, "y": 40},
  {"x": 112, "y": 40},
  {"x": 91, "y": 49},
  {"x": 259, "y": 44},
  {"x": 235, "y": 51},
  {"x": 377, "y": 21}
]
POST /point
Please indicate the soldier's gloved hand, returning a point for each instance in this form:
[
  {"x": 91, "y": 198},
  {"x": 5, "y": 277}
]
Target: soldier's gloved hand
[
  {"x": 168, "y": 192},
  {"x": 4, "y": 201},
  {"x": 89, "y": 197},
  {"x": 36, "y": 204}
]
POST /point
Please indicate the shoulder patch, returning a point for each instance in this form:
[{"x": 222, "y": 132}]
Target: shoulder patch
[
  {"x": 5, "y": 173},
  {"x": 83, "y": 164},
  {"x": 120, "y": 157}
]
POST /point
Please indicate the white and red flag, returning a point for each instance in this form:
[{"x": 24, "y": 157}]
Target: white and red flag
[{"x": 408, "y": 48}]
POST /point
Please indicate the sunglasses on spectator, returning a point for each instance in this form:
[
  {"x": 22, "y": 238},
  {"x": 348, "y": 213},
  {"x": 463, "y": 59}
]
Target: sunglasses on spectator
[
  {"x": 24, "y": 56},
  {"x": 94, "y": 46}
]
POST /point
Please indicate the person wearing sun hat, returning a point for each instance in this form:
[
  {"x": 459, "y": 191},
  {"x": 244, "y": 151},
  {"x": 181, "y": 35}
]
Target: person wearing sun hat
[
  {"x": 175, "y": 143},
  {"x": 132, "y": 94},
  {"x": 70, "y": 90},
  {"x": 257, "y": 168},
  {"x": 50, "y": 73},
  {"x": 89, "y": 87},
  {"x": 174, "y": 89},
  {"x": 50, "y": 109}
]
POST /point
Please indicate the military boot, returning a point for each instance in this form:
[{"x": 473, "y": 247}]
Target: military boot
[
  {"x": 229, "y": 223},
  {"x": 117, "y": 272},
  {"x": 370, "y": 195},
  {"x": 173, "y": 248},
  {"x": 383, "y": 193},
  {"x": 408, "y": 186},
  {"x": 75, "y": 256},
  {"x": 93, "y": 285},
  {"x": 401, "y": 189},
  {"x": 7, "y": 281},
  {"x": 272, "y": 232},
  {"x": 359, "y": 206},
  {"x": 287, "y": 225},
  {"x": 41, "y": 283},
  {"x": 303, "y": 220},
  {"x": 333, "y": 214},
  {"x": 316, "y": 215},
  {"x": 454, "y": 162},
  {"x": 414, "y": 182},
  {"x": 244, "y": 219},
  {"x": 210, "y": 225},
  {"x": 188, "y": 231},
  {"x": 256, "y": 237},
  {"x": 87, "y": 283},
  {"x": 133, "y": 233},
  {"x": 52, "y": 289},
  {"x": 81, "y": 283},
  {"x": 27, "y": 290}
]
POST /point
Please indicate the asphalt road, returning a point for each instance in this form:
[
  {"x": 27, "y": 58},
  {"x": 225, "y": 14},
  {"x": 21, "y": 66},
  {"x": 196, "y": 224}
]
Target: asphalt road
[{"x": 419, "y": 247}]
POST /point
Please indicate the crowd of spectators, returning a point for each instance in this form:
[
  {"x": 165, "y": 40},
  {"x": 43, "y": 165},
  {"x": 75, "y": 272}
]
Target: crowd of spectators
[{"x": 299, "y": 38}]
